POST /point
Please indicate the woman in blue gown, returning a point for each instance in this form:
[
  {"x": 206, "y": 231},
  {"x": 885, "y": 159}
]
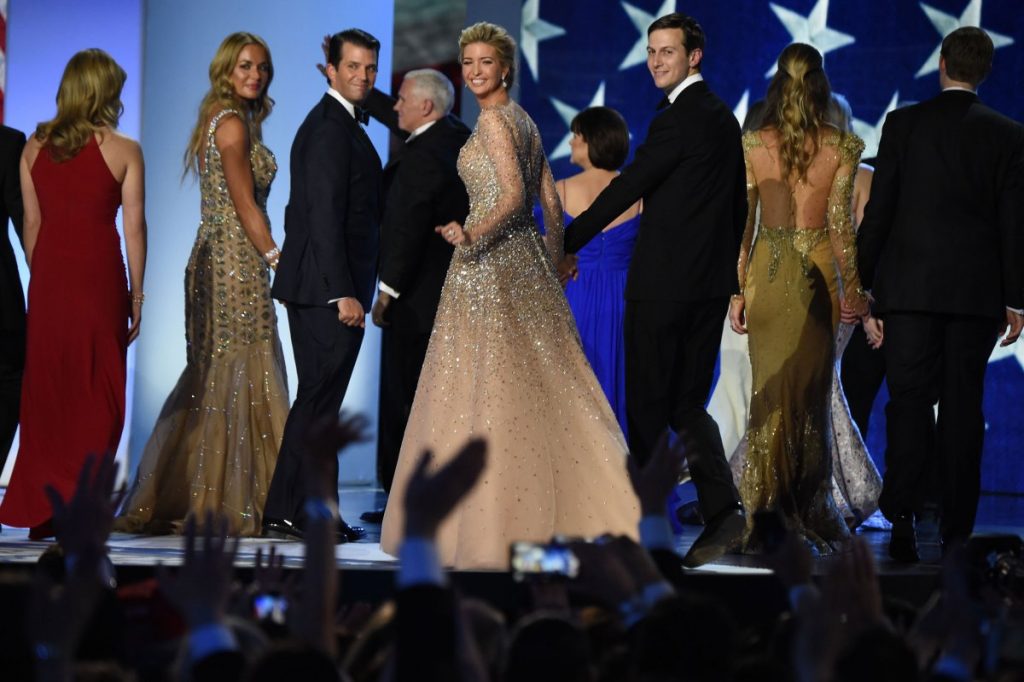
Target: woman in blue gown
[{"x": 595, "y": 287}]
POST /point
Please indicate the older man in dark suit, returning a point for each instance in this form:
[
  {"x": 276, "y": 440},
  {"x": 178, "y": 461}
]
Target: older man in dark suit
[
  {"x": 423, "y": 190},
  {"x": 328, "y": 263},
  {"x": 12, "y": 298},
  {"x": 689, "y": 172},
  {"x": 941, "y": 245}
]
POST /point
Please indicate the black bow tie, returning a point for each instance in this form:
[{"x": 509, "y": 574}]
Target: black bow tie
[
  {"x": 663, "y": 104},
  {"x": 362, "y": 115}
]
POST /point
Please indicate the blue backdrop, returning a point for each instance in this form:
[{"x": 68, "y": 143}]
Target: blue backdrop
[{"x": 574, "y": 55}]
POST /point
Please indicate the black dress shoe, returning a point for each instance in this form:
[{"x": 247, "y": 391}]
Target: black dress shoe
[
  {"x": 722, "y": 533},
  {"x": 903, "y": 541},
  {"x": 373, "y": 516},
  {"x": 347, "y": 533},
  {"x": 281, "y": 529}
]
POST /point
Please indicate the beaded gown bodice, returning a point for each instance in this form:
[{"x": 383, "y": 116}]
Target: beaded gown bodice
[
  {"x": 505, "y": 363},
  {"x": 224, "y": 264}
]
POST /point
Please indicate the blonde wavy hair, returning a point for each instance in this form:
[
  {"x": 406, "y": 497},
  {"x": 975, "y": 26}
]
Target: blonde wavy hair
[
  {"x": 797, "y": 106},
  {"x": 498, "y": 38},
  {"x": 222, "y": 95},
  {"x": 89, "y": 98}
]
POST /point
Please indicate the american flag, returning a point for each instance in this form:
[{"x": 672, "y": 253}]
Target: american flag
[{"x": 877, "y": 53}]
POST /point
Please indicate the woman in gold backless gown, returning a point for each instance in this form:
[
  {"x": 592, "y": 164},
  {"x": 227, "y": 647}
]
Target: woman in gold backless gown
[
  {"x": 216, "y": 440},
  {"x": 505, "y": 360},
  {"x": 800, "y": 170}
]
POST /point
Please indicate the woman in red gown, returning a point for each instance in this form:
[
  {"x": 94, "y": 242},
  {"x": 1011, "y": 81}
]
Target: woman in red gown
[{"x": 75, "y": 173}]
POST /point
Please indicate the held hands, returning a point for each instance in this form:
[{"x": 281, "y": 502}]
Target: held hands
[
  {"x": 351, "y": 313},
  {"x": 453, "y": 234},
  {"x": 737, "y": 313}
]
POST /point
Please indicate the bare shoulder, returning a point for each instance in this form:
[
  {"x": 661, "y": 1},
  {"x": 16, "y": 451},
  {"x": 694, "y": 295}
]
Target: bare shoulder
[
  {"x": 31, "y": 150},
  {"x": 230, "y": 128}
]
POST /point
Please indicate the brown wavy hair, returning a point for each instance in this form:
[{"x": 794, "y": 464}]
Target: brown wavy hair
[
  {"x": 89, "y": 98},
  {"x": 797, "y": 106},
  {"x": 221, "y": 95},
  {"x": 498, "y": 38}
]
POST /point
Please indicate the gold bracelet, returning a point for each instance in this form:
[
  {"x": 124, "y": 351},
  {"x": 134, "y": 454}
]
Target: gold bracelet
[
  {"x": 139, "y": 298},
  {"x": 736, "y": 297}
]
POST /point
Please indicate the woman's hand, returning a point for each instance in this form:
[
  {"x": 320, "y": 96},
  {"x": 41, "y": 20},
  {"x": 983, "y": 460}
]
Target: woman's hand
[
  {"x": 453, "y": 233},
  {"x": 874, "y": 330},
  {"x": 135, "y": 319},
  {"x": 737, "y": 314}
]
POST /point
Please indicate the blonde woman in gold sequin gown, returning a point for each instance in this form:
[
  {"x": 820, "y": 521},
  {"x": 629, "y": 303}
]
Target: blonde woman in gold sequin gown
[
  {"x": 216, "y": 440},
  {"x": 505, "y": 360},
  {"x": 800, "y": 171}
]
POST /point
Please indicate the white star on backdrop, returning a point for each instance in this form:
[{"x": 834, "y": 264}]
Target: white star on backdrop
[
  {"x": 812, "y": 29},
  {"x": 872, "y": 133},
  {"x": 947, "y": 23},
  {"x": 534, "y": 31},
  {"x": 740, "y": 112},
  {"x": 641, "y": 20},
  {"x": 1015, "y": 349},
  {"x": 568, "y": 113}
]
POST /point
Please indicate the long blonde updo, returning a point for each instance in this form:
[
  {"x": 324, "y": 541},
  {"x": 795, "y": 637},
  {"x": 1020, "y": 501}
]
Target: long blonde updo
[
  {"x": 797, "y": 106},
  {"x": 89, "y": 98},
  {"x": 222, "y": 95}
]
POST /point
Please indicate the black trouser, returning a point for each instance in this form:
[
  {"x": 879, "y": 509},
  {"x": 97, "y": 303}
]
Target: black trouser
[
  {"x": 12, "y": 364},
  {"x": 862, "y": 373},
  {"x": 401, "y": 359},
  {"x": 325, "y": 354},
  {"x": 671, "y": 348},
  {"x": 936, "y": 358}
]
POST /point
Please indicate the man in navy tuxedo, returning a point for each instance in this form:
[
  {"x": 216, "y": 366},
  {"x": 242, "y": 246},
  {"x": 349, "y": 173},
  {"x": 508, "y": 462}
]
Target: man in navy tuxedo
[{"x": 328, "y": 264}]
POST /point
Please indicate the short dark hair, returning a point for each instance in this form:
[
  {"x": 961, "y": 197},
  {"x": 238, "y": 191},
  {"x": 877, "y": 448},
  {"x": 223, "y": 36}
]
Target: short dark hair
[
  {"x": 693, "y": 34},
  {"x": 606, "y": 134},
  {"x": 356, "y": 36},
  {"x": 968, "y": 54}
]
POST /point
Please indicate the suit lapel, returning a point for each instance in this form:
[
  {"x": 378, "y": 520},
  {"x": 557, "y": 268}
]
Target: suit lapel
[{"x": 358, "y": 134}]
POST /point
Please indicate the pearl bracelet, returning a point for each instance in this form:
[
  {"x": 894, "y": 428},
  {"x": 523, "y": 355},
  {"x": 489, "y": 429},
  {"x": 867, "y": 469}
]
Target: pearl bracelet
[{"x": 139, "y": 297}]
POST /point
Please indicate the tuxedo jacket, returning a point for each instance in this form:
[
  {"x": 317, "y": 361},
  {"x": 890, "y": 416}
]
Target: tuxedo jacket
[
  {"x": 689, "y": 172},
  {"x": 12, "y": 299},
  {"x": 424, "y": 190},
  {"x": 943, "y": 231},
  {"x": 332, "y": 221}
]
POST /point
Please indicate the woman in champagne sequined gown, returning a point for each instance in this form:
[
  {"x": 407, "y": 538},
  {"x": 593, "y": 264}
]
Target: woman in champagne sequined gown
[
  {"x": 216, "y": 440},
  {"x": 504, "y": 360},
  {"x": 800, "y": 170}
]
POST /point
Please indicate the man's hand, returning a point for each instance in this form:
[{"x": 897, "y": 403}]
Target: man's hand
[
  {"x": 351, "y": 313},
  {"x": 847, "y": 315},
  {"x": 1014, "y": 324},
  {"x": 380, "y": 307}
]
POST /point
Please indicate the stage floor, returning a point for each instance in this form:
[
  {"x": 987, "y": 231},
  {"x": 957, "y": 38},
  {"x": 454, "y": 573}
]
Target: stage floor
[{"x": 997, "y": 514}]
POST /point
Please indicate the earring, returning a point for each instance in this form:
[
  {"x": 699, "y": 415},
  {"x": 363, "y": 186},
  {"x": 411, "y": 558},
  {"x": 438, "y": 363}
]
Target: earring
[{"x": 503, "y": 83}]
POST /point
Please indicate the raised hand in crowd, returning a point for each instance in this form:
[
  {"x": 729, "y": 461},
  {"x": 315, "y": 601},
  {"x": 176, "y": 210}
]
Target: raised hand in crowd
[
  {"x": 315, "y": 614},
  {"x": 654, "y": 481},
  {"x": 59, "y": 614},
  {"x": 431, "y": 497}
]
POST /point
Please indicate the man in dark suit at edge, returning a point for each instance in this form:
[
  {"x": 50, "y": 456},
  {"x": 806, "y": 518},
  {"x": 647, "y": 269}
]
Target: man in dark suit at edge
[
  {"x": 689, "y": 172},
  {"x": 423, "y": 190},
  {"x": 12, "y": 298},
  {"x": 941, "y": 247},
  {"x": 328, "y": 264}
]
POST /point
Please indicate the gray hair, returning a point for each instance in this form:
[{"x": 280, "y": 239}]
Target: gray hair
[{"x": 435, "y": 86}]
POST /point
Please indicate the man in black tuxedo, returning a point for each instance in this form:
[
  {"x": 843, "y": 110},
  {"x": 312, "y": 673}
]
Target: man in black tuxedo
[
  {"x": 328, "y": 263},
  {"x": 423, "y": 190},
  {"x": 689, "y": 172},
  {"x": 941, "y": 247},
  {"x": 12, "y": 299}
]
